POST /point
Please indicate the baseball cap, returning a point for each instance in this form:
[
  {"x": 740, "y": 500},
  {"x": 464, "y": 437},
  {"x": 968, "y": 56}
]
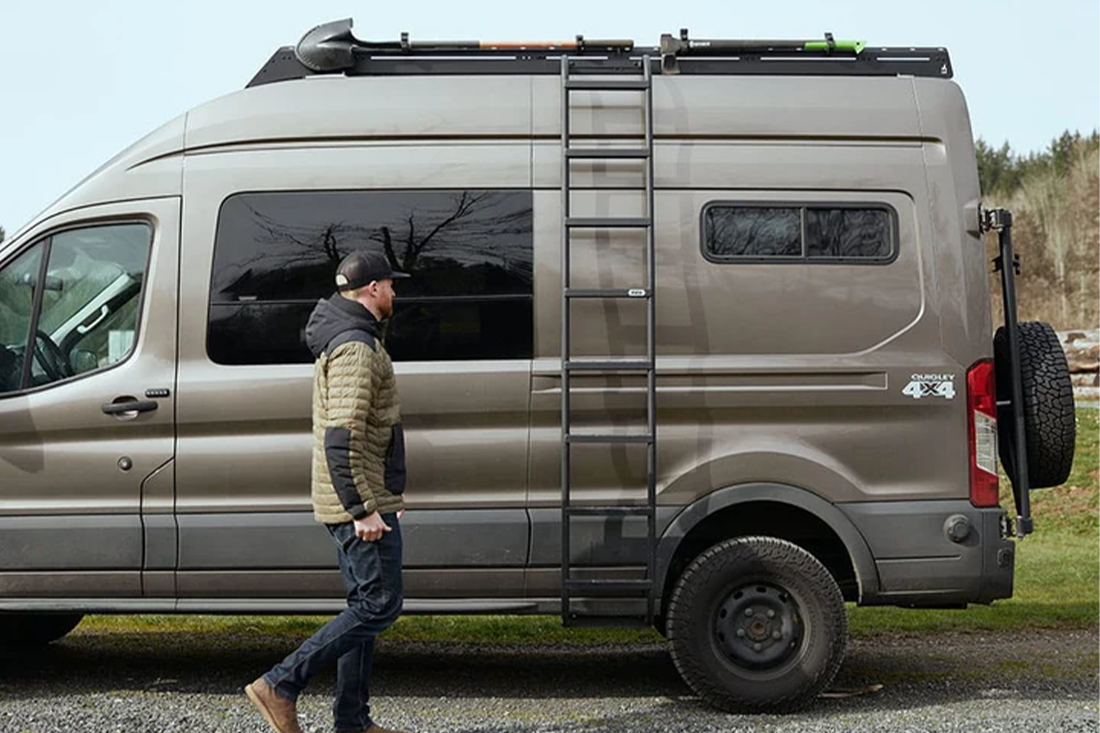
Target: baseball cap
[{"x": 362, "y": 268}]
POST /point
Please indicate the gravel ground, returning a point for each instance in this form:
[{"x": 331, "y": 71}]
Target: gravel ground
[{"x": 173, "y": 681}]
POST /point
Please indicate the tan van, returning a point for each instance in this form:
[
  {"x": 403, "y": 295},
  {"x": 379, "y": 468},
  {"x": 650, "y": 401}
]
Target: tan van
[{"x": 713, "y": 317}]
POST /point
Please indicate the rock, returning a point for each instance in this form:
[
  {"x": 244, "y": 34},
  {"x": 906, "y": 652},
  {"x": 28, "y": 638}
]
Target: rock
[
  {"x": 1085, "y": 379},
  {"x": 1083, "y": 359}
]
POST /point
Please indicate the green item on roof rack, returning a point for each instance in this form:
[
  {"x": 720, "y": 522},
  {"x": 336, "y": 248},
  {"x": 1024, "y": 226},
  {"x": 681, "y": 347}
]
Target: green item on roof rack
[{"x": 851, "y": 46}]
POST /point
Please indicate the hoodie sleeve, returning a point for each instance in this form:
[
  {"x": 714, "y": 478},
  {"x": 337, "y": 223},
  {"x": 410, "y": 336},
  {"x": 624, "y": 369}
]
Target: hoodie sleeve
[{"x": 349, "y": 400}]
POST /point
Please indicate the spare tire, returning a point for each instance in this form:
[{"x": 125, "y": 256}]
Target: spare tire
[{"x": 1050, "y": 424}]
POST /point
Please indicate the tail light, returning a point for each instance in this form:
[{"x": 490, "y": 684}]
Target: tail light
[{"x": 981, "y": 418}]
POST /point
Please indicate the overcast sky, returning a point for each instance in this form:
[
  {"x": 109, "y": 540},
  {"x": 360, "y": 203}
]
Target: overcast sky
[{"x": 82, "y": 80}]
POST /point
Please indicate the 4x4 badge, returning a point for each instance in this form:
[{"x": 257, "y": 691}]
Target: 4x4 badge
[{"x": 931, "y": 385}]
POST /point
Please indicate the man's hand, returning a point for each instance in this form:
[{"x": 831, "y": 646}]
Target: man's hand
[{"x": 371, "y": 527}]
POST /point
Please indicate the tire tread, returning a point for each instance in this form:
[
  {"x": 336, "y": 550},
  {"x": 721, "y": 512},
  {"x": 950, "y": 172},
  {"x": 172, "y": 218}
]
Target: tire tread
[{"x": 771, "y": 551}]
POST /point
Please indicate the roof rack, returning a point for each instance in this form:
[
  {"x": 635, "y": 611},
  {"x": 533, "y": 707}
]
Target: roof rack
[{"x": 331, "y": 48}]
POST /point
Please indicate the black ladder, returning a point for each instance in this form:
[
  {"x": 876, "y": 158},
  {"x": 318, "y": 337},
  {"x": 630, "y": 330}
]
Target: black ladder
[{"x": 594, "y": 587}]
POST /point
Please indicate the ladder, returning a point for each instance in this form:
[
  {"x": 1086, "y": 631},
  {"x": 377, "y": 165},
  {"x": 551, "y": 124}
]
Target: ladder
[{"x": 572, "y": 586}]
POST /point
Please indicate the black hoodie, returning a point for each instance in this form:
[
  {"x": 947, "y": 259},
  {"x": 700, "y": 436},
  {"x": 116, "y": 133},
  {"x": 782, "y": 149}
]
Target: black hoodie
[{"x": 336, "y": 316}]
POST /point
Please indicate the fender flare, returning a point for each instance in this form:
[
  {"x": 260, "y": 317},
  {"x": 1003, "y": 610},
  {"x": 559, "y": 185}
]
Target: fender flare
[{"x": 859, "y": 552}]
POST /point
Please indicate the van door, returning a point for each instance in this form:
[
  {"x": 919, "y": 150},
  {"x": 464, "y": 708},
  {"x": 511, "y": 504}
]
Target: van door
[
  {"x": 460, "y": 340},
  {"x": 87, "y": 370}
]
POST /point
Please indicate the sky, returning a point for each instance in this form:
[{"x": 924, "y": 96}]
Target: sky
[{"x": 80, "y": 81}]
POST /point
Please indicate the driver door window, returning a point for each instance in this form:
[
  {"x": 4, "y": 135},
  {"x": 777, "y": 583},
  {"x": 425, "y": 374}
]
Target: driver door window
[{"x": 69, "y": 304}]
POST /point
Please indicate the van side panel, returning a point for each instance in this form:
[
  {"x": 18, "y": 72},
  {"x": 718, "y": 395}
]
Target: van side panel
[
  {"x": 366, "y": 108},
  {"x": 960, "y": 251},
  {"x": 772, "y": 107},
  {"x": 793, "y": 374},
  {"x": 243, "y": 482}
]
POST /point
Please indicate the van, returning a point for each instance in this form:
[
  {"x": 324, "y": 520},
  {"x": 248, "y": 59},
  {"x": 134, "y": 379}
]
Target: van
[{"x": 697, "y": 336}]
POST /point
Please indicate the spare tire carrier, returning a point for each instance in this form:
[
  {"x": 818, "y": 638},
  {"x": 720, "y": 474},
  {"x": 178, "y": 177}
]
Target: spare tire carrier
[{"x": 1008, "y": 264}]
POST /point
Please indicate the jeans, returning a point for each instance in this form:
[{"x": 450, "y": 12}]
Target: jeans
[{"x": 372, "y": 576}]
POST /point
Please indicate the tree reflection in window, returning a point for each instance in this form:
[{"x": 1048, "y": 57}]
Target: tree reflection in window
[
  {"x": 285, "y": 246},
  {"x": 276, "y": 254}
]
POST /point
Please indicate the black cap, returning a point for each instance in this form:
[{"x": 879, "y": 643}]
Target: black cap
[{"x": 361, "y": 268}]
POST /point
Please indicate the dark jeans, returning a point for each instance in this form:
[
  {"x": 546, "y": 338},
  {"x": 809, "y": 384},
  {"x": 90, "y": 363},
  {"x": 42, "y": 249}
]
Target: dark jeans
[{"x": 372, "y": 576}]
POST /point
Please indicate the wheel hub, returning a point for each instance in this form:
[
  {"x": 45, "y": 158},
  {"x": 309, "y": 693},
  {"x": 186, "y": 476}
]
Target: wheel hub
[{"x": 758, "y": 626}]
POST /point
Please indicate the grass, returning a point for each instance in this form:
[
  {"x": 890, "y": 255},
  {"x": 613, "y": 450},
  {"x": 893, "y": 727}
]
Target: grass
[
  {"x": 1057, "y": 587},
  {"x": 1074, "y": 507}
]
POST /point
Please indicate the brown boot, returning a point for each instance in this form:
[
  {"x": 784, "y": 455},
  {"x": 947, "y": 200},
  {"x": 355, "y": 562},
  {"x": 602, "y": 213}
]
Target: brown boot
[{"x": 281, "y": 713}]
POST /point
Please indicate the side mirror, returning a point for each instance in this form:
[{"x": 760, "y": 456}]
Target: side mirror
[
  {"x": 82, "y": 360},
  {"x": 53, "y": 282}
]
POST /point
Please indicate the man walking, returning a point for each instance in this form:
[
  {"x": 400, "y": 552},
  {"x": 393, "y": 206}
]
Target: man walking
[{"x": 357, "y": 486}]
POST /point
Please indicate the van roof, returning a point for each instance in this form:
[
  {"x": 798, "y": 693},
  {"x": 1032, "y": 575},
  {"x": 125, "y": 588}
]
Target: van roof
[{"x": 331, "y": 48}]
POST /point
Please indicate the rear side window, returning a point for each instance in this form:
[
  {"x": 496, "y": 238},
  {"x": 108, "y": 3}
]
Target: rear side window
[
  {"x": 470, "y": 254},
  {"x": 775, "y": 233}
]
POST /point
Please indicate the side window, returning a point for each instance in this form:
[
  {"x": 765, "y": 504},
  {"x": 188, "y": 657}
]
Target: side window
[
  {"x": 470, "y": 254},
  {"x": 18, "y": 282},
  {"x": 753, "y": 231},
  {"x": 834, "y": 233},
  {"x": 852, "y": 233},
  {"x": 73, "y": 303}
]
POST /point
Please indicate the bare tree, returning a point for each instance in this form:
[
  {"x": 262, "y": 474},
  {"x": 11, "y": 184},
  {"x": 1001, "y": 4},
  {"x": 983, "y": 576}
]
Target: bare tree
[
  {"x": 465, "y": 205},
  {"x": 467, "y": 228}
]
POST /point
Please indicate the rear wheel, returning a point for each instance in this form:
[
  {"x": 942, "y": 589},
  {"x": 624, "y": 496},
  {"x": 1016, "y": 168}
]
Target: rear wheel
[
  {"x": 757, "y": 624},
  {"x": 29, "y": 630}
]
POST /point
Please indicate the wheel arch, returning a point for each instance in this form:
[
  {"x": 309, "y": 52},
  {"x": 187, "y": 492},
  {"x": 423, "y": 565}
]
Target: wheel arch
[{"x": 769, "y": 509}]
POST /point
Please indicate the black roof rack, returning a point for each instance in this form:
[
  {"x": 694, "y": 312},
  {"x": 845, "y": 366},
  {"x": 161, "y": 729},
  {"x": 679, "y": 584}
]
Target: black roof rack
[{"x": 331, "y": 48}]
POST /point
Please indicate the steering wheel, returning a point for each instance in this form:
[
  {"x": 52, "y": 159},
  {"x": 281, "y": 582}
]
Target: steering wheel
[{"x": 50, "y": 357}]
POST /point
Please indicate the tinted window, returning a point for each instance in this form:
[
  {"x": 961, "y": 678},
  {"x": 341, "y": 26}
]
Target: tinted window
[
  {"x": 753, "y": 231},
  {"x": 804, "y": 233},
  {"x": 470, "y": 254},
  {"x": 858, "y": 233}
]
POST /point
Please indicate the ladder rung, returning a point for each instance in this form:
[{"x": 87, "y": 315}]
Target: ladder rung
[
  {"x": 639, "y": 293},
  {"x": 596, "y": 438},
  {"x": 610, "y": 365},
  {"x": 639, "y": 153},
  {"x": 598, "y": 222},
  {"x": 608, "y": 511},
  {"x": 607, "y": 85},
  {"x": 608, "y": 584}
]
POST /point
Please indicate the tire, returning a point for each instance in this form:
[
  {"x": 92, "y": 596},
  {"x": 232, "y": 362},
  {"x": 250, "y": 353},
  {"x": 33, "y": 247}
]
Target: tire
[
  {"x": 31, "y": 630},
  {"x": 1050, "y": 423},
  {"x": 757, "y": 624}
]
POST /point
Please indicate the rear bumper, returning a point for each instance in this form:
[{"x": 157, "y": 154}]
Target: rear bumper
[{"x": 920, "y": 564}]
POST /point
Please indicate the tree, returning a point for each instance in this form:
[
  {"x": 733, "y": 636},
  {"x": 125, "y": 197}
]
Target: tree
[{"x": 998, "y": 169}]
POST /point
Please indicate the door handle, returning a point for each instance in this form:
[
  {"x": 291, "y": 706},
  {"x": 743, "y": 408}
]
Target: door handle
[
  {"x": 97, "y": 318},
  {"x": 121, "y": 408}
]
